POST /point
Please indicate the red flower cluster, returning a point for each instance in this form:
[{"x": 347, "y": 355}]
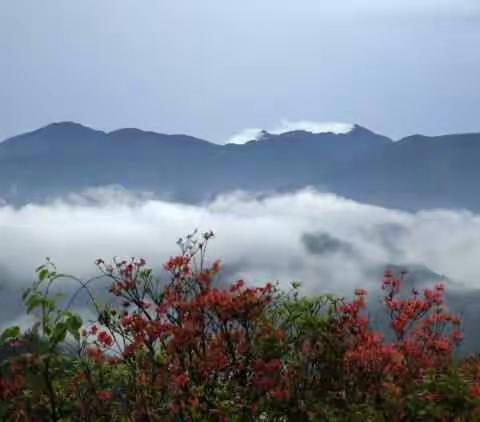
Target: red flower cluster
[{"x": 191, "y": 349}]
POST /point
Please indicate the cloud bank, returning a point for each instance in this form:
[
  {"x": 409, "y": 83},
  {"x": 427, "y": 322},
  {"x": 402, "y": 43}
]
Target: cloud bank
[
  {"x": 326, "y": 242},
  {"x": 244, "y": 136}
]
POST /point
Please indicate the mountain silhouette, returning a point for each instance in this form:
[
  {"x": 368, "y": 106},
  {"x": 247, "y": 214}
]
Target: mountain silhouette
[{"x": 417, "y": 172}]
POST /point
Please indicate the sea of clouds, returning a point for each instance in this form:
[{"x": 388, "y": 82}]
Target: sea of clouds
[{"x": 328, "y": 243}]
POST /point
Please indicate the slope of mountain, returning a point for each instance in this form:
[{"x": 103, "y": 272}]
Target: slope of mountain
[
  {"x": 67, "y": 157},
  {"x": 418, "y": 172},
  {"x": 414, "y": 173}
]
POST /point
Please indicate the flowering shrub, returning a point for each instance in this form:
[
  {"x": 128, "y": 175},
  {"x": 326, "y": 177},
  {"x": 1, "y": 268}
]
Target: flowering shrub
[{"x": 191, "y": 349}]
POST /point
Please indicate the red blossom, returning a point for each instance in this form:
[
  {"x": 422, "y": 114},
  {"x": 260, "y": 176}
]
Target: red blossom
[
  {"x": 105, "y": 339},
  {"x": 193, "y": 346},
  {"x": 104, "y": 395}
]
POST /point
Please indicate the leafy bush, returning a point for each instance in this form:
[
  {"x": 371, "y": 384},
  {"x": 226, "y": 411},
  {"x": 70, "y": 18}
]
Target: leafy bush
[{"x": 192, "y": 350}]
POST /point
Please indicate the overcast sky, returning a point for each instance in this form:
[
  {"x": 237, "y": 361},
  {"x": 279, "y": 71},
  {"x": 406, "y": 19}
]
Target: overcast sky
[{"x": 212, "y": 68}]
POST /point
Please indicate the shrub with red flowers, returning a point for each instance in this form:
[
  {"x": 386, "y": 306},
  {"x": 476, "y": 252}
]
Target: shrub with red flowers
[{"x": 191, "y": 349}]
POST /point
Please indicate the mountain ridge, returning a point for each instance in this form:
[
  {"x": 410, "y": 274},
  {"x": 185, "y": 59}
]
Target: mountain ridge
[{"x": 416, "y": 172}]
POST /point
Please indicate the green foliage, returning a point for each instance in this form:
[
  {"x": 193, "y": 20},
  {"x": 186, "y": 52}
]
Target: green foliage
[{"x": 10, "y": 334}]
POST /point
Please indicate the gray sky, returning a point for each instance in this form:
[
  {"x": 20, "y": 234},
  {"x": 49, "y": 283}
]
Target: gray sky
[{"x": 212, "y": 68}]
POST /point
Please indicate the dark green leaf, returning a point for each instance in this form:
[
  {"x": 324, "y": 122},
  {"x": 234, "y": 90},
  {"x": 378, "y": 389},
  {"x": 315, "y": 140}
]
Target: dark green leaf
[
  {"x": 42, "y": 275},
  {"x": 10, "y": 334}
]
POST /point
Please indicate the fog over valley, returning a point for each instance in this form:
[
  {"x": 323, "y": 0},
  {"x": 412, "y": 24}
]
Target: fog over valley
[{"x": 326, "y": 242}]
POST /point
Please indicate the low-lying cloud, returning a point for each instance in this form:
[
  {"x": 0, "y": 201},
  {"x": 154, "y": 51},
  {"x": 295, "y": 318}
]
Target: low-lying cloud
[{"x": 326, "y": 242}]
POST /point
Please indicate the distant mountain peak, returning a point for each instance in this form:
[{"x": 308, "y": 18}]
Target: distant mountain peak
[
  {"x": 356, "y": 128},
  {"x": 66, "y": 125},
  {"x": 59, "y": 131},
  {"x": 288, "y": 127},
  {"x": 306, "y": 133},
  {"x": 65, "y": 131},
  {"x": 130, "y": 131},
  {"x": 316, "y": 128}
]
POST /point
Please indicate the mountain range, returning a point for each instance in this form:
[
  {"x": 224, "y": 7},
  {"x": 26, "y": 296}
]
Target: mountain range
[{"x": 416, "y": 172}]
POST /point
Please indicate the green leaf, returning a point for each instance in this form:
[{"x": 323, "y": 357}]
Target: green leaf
[
  {"x": 74, "y": 323},
  {"x": 26, "y": 293},
  {"x": 42, "y": 275},
  {"x": 10, "y": 334},
  {"x": 33, "y": 301},
  {"x": 146, "y": 273},
  {"x": 59, "y": 333},
  {"x": 41, "y": 267}
]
